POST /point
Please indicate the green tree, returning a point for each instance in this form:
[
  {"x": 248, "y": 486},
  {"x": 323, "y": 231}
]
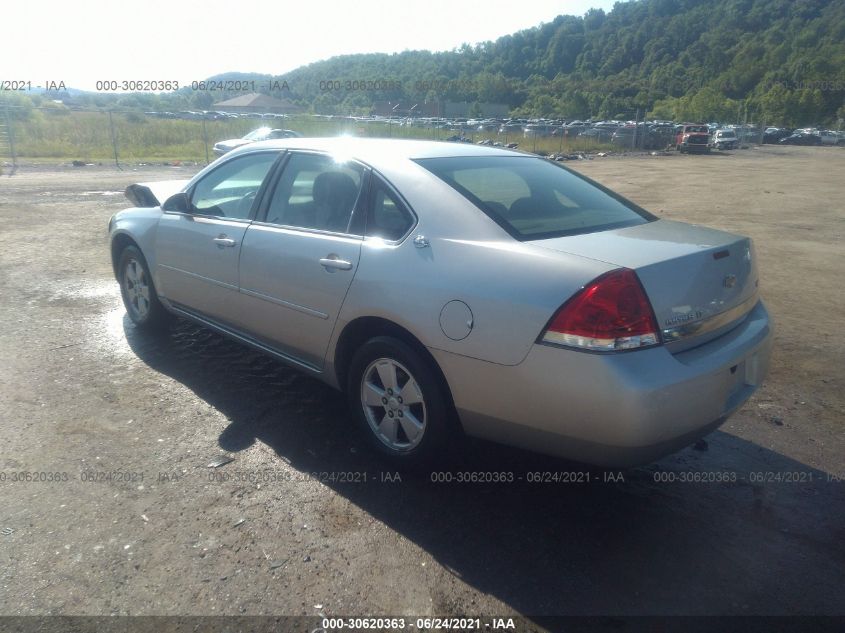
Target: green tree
[{"x": 775, "y": 104}]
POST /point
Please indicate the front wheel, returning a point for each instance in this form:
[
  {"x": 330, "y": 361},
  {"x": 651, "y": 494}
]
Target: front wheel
[
  {"x": 138, "y": 292},
  {"x": 400, "y": 402}
]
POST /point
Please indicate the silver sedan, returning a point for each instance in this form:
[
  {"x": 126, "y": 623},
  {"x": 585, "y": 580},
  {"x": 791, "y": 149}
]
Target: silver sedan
[{"x": 451, "y": 288}]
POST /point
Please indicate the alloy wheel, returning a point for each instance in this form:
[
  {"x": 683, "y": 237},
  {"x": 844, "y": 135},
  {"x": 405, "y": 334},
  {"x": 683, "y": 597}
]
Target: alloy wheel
[
  {"x": 136, "y": 288},
  {"x": 393, "y": 404}
]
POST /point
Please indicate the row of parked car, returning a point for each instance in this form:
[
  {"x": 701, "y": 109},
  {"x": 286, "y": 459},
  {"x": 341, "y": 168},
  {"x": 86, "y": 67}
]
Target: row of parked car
[
  {"x": 643, "y": 134},
  {"x": 685, "y": 137},
  {"x": 213, "y": 115},
  {"x": 688, "y": 137},
  {"x": 803, "y": 136}
]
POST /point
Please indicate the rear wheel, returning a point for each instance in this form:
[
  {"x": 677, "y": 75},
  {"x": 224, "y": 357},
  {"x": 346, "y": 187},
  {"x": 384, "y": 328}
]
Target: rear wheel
[
  {"x": 138, "y": 292},
  {"x": 400, "y": 402}
]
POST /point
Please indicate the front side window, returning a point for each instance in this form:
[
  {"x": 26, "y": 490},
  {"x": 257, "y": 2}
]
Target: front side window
[
  {"x": 316, "y": 192},
  {"x": 230, "y": 190},
  {"x": 533, "y": 198}
]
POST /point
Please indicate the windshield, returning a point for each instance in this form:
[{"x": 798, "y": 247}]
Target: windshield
[
  {"x": 697, "y": 129},
  {"x": 533, "y": 198},
  {"x": 257, "y": 135}
]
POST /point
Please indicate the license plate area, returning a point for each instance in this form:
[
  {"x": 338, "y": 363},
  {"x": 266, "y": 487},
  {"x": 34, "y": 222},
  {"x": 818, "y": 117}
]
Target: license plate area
[{"x": 742, "y": 381}]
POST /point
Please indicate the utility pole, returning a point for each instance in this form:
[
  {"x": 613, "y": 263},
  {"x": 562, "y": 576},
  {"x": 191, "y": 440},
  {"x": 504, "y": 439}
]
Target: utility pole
[
  {"x": 114, "y": 141},
  {"x": 744, "y": 123},
  {"x": 205, "y": 139},
  {"x": 636, "y": 129}
]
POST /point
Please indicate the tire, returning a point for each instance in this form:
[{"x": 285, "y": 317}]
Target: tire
[
  {"x": 384, "y": 411},
  {"x": 138, "y": 292}
]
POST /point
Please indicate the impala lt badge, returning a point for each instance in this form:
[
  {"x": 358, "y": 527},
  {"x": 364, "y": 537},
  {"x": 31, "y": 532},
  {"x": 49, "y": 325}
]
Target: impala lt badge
[{"x": 684, "y": 318}]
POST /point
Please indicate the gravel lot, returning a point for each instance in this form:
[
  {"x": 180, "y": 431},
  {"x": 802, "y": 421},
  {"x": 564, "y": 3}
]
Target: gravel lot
[{"x": 84, "y": 397}]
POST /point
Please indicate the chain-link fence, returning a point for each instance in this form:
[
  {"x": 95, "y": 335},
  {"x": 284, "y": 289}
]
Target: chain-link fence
[
  {"x": 8, "y": 152},
  {"x": 58, "y": 134}
]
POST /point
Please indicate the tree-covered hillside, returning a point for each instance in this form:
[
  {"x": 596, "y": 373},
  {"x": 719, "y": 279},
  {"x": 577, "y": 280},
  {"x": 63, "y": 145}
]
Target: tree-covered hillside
[{"x": 681, "y": 59}]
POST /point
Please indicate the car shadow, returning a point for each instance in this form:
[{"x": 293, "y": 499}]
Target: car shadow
[{"x": 730, "y": 539}]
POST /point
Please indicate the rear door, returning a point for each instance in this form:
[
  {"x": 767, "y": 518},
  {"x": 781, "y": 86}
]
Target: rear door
[
  {"x": 298, "y": 259},
  {"x": 197, "y": 251}
]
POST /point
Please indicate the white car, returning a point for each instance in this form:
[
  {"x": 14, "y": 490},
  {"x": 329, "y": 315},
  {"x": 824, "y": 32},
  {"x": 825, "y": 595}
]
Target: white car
[
  {"x": 829, "y": 137},
  {"x": 724, "y": 139},
  {"x": 261, "y": 134}
]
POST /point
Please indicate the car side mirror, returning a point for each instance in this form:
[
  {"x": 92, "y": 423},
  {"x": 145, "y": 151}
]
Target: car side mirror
[{"x": 178, "y": 202}]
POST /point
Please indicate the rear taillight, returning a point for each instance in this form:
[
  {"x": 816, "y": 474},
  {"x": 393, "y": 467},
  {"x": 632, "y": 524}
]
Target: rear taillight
[{"x": 610, "y": 313}]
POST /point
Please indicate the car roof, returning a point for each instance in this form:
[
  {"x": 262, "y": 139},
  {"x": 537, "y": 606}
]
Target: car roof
[{"x": 377, "y": 151}]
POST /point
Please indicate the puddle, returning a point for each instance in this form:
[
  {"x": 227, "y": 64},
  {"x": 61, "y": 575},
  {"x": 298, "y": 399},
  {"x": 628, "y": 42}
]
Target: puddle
[
  {"x": 109, "y": 332},
  {"x": 80, "y": 289}
]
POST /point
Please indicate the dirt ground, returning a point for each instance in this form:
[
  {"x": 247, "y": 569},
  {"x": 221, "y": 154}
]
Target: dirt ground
[{"x": 109, "y": 506}]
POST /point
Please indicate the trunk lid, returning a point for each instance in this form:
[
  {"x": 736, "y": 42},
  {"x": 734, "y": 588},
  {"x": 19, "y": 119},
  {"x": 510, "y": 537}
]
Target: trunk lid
[{"x": 701, "y": 282}]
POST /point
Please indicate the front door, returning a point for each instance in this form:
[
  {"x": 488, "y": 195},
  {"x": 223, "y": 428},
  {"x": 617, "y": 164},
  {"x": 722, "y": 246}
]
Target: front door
[{"x": 197, "y": 251}]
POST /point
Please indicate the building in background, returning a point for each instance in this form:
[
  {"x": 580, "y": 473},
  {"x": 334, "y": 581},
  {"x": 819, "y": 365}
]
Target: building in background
[
  {"x": 448, "y": 109},
  {"x": 256, "y": 102},
  {"x": 455, "y": 109},
  {"x": 406, "y": 108}
]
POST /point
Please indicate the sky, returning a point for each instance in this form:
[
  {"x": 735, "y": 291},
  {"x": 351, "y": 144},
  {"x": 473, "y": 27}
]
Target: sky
[{"x": 81, "y": 42}]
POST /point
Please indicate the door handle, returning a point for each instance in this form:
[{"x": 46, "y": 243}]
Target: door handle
[
  {"x": 334, "y": 263},
  {"x": 222, "y": 241}
]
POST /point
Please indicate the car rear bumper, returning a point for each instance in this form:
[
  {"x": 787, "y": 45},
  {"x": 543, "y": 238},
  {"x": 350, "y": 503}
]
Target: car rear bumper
[{"x": 614, "y": 410}]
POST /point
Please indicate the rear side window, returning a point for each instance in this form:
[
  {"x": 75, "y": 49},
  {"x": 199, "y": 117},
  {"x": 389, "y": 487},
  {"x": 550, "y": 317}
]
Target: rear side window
[
  {"x": 387, "y": 217},
  {"x": 316, "y": 192},
  {"x": 533, "y": 198}
]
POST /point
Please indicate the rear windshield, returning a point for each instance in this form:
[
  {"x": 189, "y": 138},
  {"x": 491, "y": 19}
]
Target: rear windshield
[{"x": 534, "y": 198}]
